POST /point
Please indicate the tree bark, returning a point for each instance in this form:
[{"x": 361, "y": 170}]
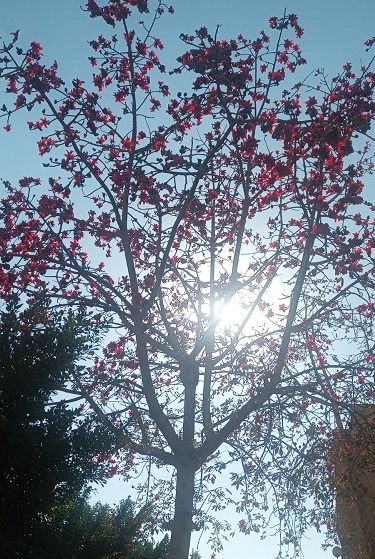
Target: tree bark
[{"x": 182, "y": 523}]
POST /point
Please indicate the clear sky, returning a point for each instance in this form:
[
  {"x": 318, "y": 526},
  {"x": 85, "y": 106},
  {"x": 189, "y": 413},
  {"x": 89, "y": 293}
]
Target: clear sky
[{"x": 334, "y": 33}]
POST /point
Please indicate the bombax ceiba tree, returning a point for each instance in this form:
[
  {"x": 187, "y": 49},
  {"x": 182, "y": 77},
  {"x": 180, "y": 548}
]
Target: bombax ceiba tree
[{"x": 225, "y": 233}]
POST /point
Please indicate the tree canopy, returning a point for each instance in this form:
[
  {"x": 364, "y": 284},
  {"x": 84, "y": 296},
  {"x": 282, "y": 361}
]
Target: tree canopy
[
  {"x": 49, "y": 451},
  {"x": 166, "y": 209},
  {"x": 76, "y": 529}
]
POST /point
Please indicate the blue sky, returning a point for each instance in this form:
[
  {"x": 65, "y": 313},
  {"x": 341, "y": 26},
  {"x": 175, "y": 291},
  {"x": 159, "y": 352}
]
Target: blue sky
[
  {"x": 334, "y": 33},
  {"x": 334, "y": 29}
]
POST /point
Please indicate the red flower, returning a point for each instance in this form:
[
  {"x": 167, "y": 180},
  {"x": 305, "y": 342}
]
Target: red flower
[{"x": 127, "y": 144}]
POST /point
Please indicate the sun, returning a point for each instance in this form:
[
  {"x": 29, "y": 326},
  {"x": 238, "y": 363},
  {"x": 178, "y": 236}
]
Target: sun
[{"x": 259, "y": 313}]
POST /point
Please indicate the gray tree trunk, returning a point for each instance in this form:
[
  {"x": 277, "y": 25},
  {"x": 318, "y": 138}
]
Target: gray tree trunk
[{"x": 182, "y": 523}]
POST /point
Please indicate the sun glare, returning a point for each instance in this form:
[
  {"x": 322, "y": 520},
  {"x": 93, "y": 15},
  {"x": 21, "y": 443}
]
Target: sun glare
[{"x": 260, "y": 316}]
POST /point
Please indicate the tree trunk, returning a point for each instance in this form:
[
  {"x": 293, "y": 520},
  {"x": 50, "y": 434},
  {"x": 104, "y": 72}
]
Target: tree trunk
[{"x": 182, "y": 523}]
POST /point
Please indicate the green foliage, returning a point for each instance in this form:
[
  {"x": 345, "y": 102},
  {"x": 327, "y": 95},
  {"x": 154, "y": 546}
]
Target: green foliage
[
  {"x": 77, "y": 530},
  {"x": 48, "y": 451}
]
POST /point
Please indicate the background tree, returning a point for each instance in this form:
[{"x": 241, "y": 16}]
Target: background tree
[
  {"x": 353, "y": 456},
  {"x": 245, "y": 193},
  {"x": 83, "y": 531},
  {"x": 49, "y": 452}
]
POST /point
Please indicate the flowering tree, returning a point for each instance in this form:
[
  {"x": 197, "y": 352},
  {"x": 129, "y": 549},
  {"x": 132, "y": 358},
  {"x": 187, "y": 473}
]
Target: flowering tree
[{"x": 225, "y": 233}]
